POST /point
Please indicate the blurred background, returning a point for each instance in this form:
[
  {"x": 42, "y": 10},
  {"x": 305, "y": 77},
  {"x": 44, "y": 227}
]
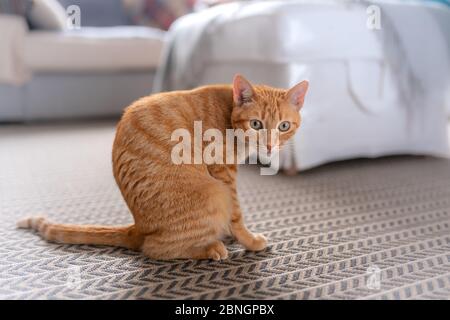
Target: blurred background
[{"x": 379, "y": 70}]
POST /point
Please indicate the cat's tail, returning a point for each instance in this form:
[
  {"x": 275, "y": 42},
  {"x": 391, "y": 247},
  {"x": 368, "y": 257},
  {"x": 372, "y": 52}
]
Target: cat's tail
[{"x": 120, "y": 236}]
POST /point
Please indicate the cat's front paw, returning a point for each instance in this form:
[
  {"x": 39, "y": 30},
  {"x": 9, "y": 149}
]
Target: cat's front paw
[
  {"x": 259, "y": 242},
  {"x": 217, "y": 251}
]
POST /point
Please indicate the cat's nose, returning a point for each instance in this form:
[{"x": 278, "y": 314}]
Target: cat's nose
[{"x": 269, "y": 148}]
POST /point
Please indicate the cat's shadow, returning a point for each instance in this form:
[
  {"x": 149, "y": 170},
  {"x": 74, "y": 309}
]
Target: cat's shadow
[{"x": 236, "y": 253}]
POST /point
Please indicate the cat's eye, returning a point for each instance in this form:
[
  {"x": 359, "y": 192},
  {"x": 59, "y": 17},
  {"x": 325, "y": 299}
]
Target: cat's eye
[
  {"x": 256, "y": 124},
  {"x": 284, "y": 126}
]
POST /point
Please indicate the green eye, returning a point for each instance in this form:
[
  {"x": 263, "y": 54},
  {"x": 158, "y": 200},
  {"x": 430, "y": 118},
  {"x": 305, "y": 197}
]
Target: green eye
[
  {"x": 256, "y": 124},
  {"x": 284, "y": 126}
]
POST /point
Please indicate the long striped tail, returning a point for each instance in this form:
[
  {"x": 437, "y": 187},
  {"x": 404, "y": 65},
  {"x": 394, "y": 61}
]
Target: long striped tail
[{"x": 120, "y": 236}]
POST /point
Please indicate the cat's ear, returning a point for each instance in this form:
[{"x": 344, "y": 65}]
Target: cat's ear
[
  {"x": 296, "y": 95},
  {"x": 242, "y": 90}
]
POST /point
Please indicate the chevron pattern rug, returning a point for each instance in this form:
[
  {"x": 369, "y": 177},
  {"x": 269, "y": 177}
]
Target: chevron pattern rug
[{"x": 362, "y": 229}]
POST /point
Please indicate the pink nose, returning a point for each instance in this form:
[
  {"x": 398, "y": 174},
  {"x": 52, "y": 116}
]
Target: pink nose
[{"x": 269, "y": 148}]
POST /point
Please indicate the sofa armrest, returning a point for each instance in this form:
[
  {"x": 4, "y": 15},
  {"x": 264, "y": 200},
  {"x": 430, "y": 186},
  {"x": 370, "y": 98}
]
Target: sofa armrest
[{"x": 12, "y": 67}]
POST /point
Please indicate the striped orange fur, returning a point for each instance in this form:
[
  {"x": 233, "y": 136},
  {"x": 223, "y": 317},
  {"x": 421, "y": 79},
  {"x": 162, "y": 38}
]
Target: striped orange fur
[{"x": 184, "y": 210}]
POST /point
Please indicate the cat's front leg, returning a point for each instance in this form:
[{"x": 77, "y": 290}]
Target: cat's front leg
[{"x": 251, "y": 241}]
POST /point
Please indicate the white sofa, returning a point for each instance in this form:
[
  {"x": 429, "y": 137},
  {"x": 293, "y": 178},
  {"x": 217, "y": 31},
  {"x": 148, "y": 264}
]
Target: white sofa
[{"x": 94, "y": 71}]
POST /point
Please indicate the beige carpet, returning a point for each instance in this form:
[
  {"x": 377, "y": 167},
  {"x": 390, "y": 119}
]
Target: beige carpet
[{"x": 370, "y": 229}]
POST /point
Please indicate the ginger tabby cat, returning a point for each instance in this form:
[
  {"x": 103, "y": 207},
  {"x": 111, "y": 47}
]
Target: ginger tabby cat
[{"x": 183, "y": 211}]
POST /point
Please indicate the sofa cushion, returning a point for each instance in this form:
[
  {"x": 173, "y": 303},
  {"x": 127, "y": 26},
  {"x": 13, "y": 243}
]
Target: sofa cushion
[
  {"x": 157, "y": 14},
  {"x": 39, "y": 14},
  {"x": 13, "y": 30},
  {"x": 94, "y": 49},
  {"x": 46, "y": 15}
]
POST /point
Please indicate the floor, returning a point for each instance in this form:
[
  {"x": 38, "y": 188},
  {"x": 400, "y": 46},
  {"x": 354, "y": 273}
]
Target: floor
[{"x": 361, "y": 229}]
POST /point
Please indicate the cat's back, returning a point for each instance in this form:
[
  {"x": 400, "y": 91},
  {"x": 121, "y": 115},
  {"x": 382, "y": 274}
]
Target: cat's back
[
  {"x": 179, "y": 109},
  {"x": 151, "y": 120},
  {"x": 183, "y": 101}
]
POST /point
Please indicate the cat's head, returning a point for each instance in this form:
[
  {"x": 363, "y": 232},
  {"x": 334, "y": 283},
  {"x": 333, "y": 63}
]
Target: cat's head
[{"x": 261, "y": 107}]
